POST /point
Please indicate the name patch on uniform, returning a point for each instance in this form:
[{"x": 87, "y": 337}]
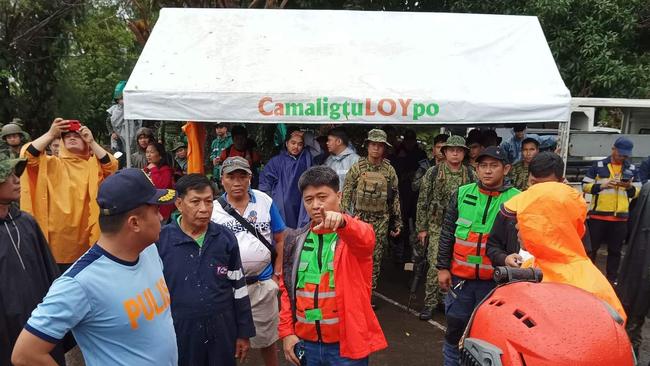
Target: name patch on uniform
[
  {"x": 474, "y": 259},
  {"x": 222, "y": 270}
]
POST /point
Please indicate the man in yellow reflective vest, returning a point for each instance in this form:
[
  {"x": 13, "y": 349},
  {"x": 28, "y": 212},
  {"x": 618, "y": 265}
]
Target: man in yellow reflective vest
[
  {"x": 465, "y": 271},
  {"x": 612, "y": 182}
]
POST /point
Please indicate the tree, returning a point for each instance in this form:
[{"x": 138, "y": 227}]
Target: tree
[
  {"x": 102, "y": 52},
  {"x": 597, "y": 44},
  {"x": 141, "y": 15},
  {"x": 32, "y": 41}
]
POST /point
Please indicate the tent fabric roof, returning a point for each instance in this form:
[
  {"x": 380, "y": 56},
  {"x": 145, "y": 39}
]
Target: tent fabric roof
[{"x": 318, "y": 66}]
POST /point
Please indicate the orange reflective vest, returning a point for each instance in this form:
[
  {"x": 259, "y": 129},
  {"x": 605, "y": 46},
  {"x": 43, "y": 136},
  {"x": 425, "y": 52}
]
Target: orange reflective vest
[
  {"x": 477, "y": 209},
  {"x": 317, "y": 318}
]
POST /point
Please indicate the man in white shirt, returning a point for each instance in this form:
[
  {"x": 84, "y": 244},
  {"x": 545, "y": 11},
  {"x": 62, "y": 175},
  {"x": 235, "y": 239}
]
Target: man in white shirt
[{"x": 258, "y": 226}]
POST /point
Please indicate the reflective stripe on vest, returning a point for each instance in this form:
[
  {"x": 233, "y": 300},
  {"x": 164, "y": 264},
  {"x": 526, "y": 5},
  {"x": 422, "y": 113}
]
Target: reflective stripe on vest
[
  {"x": 323, "y": 321},
  {"x": 317, "y": 318},
  {"x": 481, "y": 266},
  {"x": 470, "y": 258},
  {"x": 321, "y": 295},
  {"x": 476, "y": 214}
]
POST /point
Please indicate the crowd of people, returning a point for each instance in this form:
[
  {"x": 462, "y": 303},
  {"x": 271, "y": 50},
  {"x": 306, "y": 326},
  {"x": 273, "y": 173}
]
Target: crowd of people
[{"x": 290, "y": 249}]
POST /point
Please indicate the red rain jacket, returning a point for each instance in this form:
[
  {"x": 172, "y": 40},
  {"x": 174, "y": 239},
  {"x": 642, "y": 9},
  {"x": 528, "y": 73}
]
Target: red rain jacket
[{"x": 360, "y": 332}]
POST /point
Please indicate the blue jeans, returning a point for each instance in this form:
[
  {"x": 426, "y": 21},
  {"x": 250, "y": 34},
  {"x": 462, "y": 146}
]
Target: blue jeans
[
  {"x": 328, "y": 354},
  {"x": 458, "y": 311}
]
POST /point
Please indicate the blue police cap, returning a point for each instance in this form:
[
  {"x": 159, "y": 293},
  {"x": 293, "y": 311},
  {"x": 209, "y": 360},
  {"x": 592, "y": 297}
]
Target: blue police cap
[
  {"x": 624, "y": 146},
  {"x": 129, "y": 189}
]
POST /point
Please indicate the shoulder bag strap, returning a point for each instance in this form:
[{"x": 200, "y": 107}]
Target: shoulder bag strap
[{"x": 248, "y": 226}]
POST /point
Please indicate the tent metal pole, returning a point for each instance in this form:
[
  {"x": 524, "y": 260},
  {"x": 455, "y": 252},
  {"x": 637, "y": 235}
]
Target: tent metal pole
[
  {"x": 564, "y": 130},
  {"x": 127, "y": 145}
]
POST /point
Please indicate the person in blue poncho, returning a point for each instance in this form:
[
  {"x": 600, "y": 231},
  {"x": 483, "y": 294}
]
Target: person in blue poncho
[{"x": 279, "y": 179}]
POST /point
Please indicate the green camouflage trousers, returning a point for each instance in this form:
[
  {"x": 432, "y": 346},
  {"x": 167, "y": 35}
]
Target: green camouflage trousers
[
  {"x": 380, "y": 225},
  {"x": 432, "y": 293}
]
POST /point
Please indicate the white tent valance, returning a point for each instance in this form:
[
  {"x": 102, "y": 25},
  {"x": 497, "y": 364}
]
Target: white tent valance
[{"x": 316, "y": 66}]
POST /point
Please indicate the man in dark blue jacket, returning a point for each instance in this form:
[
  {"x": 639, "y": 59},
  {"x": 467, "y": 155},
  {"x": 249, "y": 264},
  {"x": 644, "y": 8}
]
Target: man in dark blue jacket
[
  {"x": 210, "y": 304},
  {"x": 644, "y": 171}
]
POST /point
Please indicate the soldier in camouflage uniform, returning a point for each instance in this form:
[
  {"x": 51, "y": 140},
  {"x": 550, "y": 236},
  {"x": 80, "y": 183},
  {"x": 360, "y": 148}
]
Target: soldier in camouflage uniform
[
  {"x": 438, "y": 184},
  {"x": 371, "y": 193},
  {"x": 13, "y": 135},
  {"x": 519, "y": 173},
  {"x": 436, "y": 158}
]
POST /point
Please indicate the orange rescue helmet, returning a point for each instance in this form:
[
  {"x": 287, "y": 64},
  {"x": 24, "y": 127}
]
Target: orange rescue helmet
[{"x": 545, "y": 324}]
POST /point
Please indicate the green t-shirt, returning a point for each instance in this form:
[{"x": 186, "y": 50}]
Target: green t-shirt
[{"x": 198, "y": 240}]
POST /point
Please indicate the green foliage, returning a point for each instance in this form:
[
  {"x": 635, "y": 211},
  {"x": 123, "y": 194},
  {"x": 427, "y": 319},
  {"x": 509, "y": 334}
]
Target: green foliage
[
  {"x": 612, "y": 118},
  {"x": 102, "y": 52},
  {"x": 32, "y": 41}
]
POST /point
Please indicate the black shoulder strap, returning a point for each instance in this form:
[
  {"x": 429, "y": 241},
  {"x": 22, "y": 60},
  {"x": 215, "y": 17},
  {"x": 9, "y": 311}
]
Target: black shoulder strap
[
  {"x": 248, "y": 226},
  {"x": 434, "y": 174}
]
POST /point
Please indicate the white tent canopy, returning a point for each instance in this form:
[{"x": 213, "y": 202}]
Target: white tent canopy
[{"x": 311, "y": 66}]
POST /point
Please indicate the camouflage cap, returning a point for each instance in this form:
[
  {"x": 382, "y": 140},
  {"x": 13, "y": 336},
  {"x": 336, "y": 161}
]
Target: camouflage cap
[
  {"x": 179, "y": 145},
  {"x": 10, "y": 163},
  {"x": 377, "y": 135},
  {"x": 455, "y": 141}
]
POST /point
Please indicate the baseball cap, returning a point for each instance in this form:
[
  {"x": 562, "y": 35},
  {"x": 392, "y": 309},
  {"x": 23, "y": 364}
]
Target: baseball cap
[
  {"x": 493, "y": 152},
  {"x": 128, "y": 189},
  {"x": 624, "y": 146},
  {"x": 235, "y": 163}
]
